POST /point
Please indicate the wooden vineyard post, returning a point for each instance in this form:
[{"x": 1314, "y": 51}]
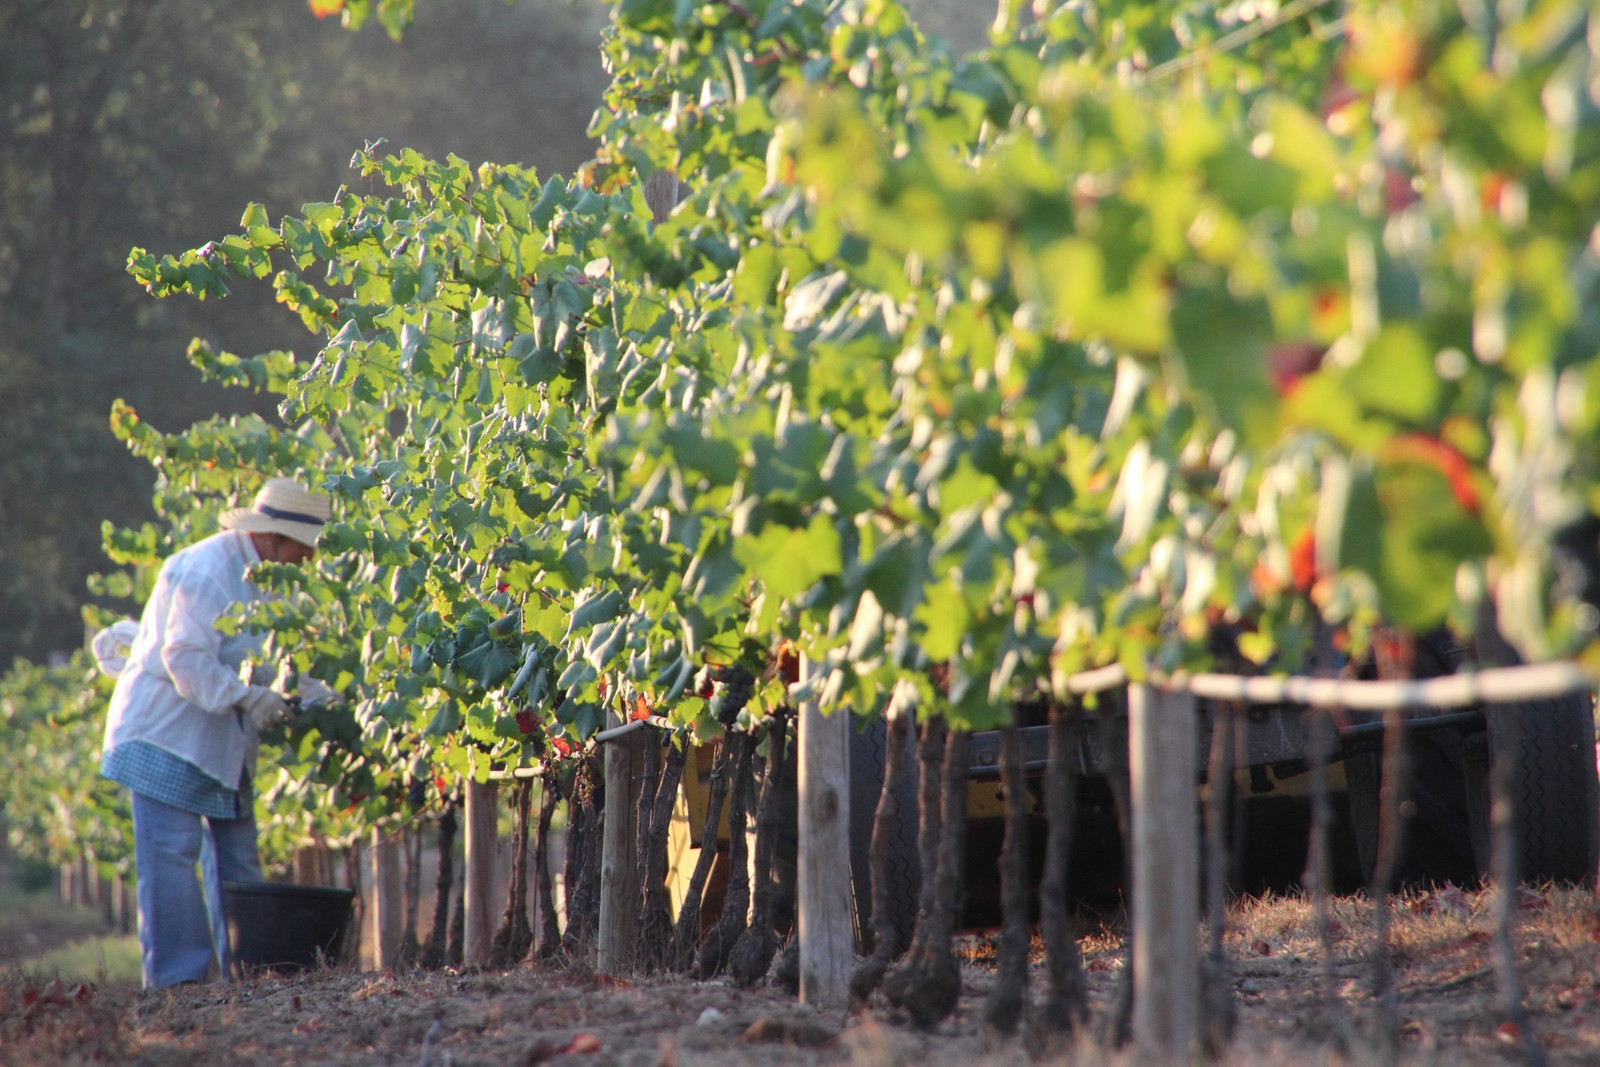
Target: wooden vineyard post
[
  {"x": 128, "y": 907},
  {"x": 825, "y": 903},
  {"x": 1166, "y": 872},
  {"x": 616, "y": 939},
  {"x": 477, "y": 882},
  {"x": 308, "y": 866},
  {"x": 618, "y": 935},
  {"x": 661, "y": 194},
  {"x": 388, "y": 905}
]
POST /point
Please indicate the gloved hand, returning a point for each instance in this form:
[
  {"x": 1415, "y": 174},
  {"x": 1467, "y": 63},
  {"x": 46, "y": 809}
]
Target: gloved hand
[
  {"x": 313, "y": 691},
  {"x": 263, "y": 707}
]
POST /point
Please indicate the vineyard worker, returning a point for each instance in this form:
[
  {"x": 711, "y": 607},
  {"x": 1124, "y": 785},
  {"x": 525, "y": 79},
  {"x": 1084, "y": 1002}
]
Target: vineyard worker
[{"x": 182, "y": 730}]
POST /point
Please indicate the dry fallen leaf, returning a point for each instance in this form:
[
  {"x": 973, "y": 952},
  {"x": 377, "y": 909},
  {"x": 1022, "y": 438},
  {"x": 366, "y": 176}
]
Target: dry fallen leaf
[
  {"x": 584, "y": 1043},
  {"x": 777, "y": 1029}
]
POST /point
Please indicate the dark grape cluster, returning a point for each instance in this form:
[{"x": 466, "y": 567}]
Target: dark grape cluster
[{"x": 738, "y": 685}]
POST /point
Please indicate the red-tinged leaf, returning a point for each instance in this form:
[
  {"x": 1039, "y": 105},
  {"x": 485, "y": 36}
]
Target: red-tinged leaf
[
  {"x": 326, "y": 8},
  {"x": 84, "y": 993},
  {"x": 1431, "y": 452},
  {"x": 641, "y": 708},
  {"x": 294, "y": 1003},
  {"x": 1508, "y": 1032},
  {"x": 1303, "y": 560},
  {"x": 1290, "y": 361},
  {"x": 788, "y": 664},
  {"x": 584, "y": 1043},
  {"x": 1100, "y": 966},
  {"x": 1477, "y": 937},
  {"x": 1259, "y": 947}
]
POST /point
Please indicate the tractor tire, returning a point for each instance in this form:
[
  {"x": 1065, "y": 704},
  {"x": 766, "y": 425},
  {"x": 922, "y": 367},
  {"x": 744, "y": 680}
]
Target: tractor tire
[
  {"x": 1435, "y": 823},
  {"x": 1435, "y": 844},
  {"x": 1554, "y": 789}
]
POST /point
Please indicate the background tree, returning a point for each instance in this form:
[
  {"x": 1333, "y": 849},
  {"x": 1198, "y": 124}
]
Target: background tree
[{"x": 143, "y": 122}]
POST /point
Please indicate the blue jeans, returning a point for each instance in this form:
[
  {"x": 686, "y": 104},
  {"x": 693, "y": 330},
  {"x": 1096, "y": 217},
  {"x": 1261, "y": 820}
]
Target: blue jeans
[{"x": 182, "y": 929}]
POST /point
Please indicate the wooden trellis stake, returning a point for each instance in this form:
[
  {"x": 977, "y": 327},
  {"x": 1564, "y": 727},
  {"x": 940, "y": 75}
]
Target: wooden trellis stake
[
  {"x": 388, "y": 903},
  {"x": 618, "y": 935},
  {"x": 1162, "y": 741},
  {"x": 824, "y": 901},
  {"x": 477, "y": 880}
]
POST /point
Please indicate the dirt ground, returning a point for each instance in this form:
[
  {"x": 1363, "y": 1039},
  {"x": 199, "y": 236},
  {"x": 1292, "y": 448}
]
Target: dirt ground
[{"x": 1441, "y": 954}]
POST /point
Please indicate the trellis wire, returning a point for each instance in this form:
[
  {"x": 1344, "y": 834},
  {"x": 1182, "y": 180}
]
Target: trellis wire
[{"x": 1492, "y": 685}]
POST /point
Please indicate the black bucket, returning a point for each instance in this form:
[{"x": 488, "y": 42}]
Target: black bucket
[{"x": 285, "y": 927}]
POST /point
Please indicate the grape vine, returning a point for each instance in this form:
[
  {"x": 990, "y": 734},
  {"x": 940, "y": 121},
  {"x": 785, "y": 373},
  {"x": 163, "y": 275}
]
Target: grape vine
[{"x": 957, "y": 374}]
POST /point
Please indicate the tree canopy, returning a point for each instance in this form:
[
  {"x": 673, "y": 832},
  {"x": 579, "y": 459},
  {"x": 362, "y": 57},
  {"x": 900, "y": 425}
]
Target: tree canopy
[{"x": 140, "y": 122}]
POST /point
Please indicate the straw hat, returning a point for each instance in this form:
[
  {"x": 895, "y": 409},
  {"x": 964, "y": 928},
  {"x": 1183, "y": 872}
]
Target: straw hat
[{"x": 282, "y": 507}]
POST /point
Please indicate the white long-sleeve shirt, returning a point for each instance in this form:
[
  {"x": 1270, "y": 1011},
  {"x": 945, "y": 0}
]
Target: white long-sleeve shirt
[{"x": 181, "y": 683}]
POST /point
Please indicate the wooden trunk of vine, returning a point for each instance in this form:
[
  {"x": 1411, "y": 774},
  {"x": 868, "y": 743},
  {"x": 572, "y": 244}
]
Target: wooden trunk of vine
[
  {"x": 927, "y": 984},
  {"x": 410, "y": 947},
  {"x": 1324, "y": 741},
  {"x": 514, "y": 938},
  {"x": 686, "y": 932},
  {"x": 1066, "y": 1004},
  {"x": 718, "y": 944},
  {"x": 930, "y": 798},
  {"x": 1008, "y": 997},
  {"x": 752, "y": 953},
  {"x": 549, "y": 934},
  {"x": 1117, "y": 1026},
  {"x": 1394, "y": 654},
  {"x": 885, "y": 942},
  {"x": 1507, "y": 880},
  {"x": 583, "y": 858},
  {"x": 435, "y": 948},
  {"x": 655, "y": 923},
  {"x": 456, "y": 953}
]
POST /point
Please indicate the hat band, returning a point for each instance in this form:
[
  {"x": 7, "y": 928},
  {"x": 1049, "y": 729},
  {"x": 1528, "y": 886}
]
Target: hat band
[{"x": 288, "y": 516}]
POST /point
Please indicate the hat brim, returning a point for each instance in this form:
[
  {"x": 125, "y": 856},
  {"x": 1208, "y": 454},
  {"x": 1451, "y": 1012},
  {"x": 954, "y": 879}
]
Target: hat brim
[{"x": 248, "y": 521}]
